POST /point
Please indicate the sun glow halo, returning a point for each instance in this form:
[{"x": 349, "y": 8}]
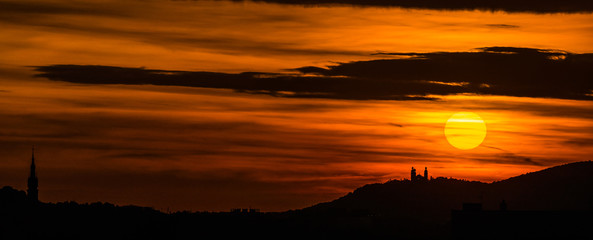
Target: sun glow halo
[{"x": 465, "y": 130}]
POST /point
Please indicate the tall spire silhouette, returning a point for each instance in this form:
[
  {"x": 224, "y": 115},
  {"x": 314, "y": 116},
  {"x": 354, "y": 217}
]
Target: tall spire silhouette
[{"x": 32, "y": 192}]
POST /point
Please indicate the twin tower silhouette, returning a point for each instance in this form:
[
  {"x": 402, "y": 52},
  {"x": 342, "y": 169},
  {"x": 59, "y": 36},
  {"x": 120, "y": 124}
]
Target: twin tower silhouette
[{"x": 419, "y": 177}]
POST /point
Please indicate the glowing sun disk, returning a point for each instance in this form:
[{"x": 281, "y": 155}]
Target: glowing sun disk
[{"x": 465, "y": 130}]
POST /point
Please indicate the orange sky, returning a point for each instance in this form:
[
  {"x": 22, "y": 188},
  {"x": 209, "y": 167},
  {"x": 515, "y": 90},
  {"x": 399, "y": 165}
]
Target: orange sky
[
  {"x": 211, "y": 149},
  {"x": 221, "y": 35}
]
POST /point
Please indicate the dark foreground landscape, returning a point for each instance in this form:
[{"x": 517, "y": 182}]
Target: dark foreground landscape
[{"x": 555, "y": 203}]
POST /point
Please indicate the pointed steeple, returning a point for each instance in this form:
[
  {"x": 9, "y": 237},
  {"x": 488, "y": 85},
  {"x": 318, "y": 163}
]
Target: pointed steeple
[
  {"x": 32, "y": 191},
  {"x": 32, "y": 162}
]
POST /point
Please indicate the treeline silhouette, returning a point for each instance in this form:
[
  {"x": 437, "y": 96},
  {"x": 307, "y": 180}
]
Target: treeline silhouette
[{"x": 554, "y": 200}]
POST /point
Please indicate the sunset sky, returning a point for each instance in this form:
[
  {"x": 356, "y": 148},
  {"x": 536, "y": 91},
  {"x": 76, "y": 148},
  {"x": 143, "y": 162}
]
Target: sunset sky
[{"x": 212, "y": 105}]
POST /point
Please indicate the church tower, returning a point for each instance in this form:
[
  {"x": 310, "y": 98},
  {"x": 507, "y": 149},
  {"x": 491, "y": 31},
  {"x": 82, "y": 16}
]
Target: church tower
[
  {"x": 32, "y": 181},
  {"x": 426, "y": 173}
]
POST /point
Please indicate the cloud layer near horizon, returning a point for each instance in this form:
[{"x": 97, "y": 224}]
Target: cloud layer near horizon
[{"x": 507, "y": 71}]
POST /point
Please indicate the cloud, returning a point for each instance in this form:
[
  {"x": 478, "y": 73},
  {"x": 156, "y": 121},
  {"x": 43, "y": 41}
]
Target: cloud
[
  {"x": 507, "y": 157},
  {"x": 581, "y": 142},
  {"x": 51, "y": 15},
  {"x": 175, "y": 159},
  {"x": 537, "y": 6},
  {"x": 502, "y": 26},
  {"x": 541, "y": 6},
  {"x": 507, "y": 71},
  {"x": 224, "y": 189},
  {"x": 15, "y": 8},
  {"x": 171, "y": 146}
]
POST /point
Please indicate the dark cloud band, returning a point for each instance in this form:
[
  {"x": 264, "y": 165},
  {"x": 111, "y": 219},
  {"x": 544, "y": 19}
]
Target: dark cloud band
[
  {"x": 521, "y": 72},
  {"x": 537, "y": 6}
]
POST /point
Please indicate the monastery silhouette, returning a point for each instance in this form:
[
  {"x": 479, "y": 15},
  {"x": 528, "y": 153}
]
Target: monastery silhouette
[{"x": 419, "y": 177}]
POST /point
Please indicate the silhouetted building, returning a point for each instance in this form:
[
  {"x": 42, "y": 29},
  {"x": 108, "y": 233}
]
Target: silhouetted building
[
  {"x": 32, "y": 192},
  {"x": 415, "y": 177}
]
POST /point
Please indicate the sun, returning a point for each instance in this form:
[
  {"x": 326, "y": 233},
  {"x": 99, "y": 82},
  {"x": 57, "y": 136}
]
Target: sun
[{"x": 465, "y": 130}]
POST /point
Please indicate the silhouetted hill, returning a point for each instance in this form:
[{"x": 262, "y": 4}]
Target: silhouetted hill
[
  {"x": 414, "y": 206},
  {"x": 400, "y": 209},
  {"x": 416, "y": 200},
  {"x": 566, "y": 187}
]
